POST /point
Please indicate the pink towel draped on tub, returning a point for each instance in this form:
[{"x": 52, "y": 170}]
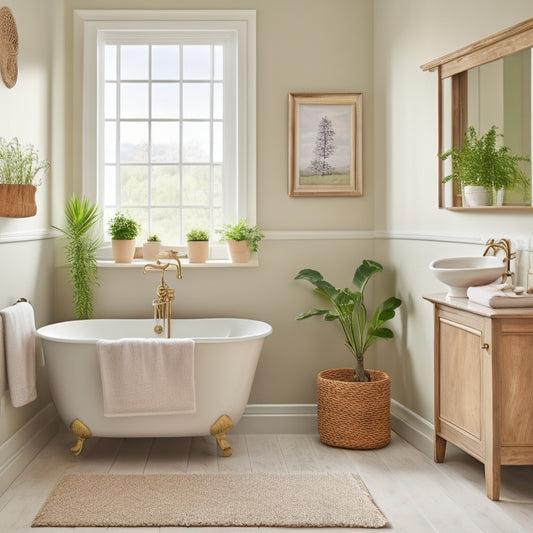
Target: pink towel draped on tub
[
  {"x": 147, "y": 376},
  {"x": 19, "y": 350}
]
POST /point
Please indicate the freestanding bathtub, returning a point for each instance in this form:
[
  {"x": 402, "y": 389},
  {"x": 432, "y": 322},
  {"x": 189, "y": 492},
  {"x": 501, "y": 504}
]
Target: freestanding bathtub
[{"x": 226, "y": 354}]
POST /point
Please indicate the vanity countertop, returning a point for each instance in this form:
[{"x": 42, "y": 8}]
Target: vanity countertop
[{"x": 465, "y": 304}]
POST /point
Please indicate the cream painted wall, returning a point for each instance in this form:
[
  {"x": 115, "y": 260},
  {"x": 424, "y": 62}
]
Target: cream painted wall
[
  {"x": 302, "y": 46},
  {"x": 408, "y": 33},
  {"x": 26, "y": 110}
]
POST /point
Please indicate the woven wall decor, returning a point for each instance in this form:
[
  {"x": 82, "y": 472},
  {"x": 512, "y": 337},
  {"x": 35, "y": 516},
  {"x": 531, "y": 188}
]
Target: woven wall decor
[{"x": 9, "y": 47}]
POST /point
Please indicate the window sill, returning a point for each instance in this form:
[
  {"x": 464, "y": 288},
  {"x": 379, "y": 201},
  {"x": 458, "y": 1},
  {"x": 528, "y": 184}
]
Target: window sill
[{"x": 211, "y": 263}]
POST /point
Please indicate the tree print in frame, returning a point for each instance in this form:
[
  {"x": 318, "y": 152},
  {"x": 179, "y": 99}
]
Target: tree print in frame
[{"x": 325, "y": 144}]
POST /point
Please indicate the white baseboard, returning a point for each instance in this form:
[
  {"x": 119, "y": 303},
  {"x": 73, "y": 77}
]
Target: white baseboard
[
  {"x": 301, "y": 418},
  {"x": 20, "y": 449},
  {"x": 412, "y": 427},
  {"x": 278, "y": 418}
]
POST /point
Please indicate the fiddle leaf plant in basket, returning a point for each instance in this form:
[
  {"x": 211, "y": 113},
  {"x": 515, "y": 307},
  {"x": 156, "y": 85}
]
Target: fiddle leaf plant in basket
[{"x": 353, "y": 404}]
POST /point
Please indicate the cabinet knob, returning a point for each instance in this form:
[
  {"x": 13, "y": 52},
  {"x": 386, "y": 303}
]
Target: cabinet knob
[{"x": 484, "y": 346}]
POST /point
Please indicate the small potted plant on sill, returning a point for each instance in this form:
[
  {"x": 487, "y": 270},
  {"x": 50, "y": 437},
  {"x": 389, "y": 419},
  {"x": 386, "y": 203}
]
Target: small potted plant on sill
[
  {"x": 197, "y": 246},
  {"x": 353, "y": 406},
  {"x": 80, "y": 253},
  {"x": 151, "y": 247},
  {"x": 19, "y": 166},
  {"x": 485, "y": 170},
  {"x": 123, "y": 230},
  {"x": 241, "y": 240}
]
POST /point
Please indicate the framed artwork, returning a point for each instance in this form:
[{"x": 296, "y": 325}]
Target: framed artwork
[{"x": 325, "y": 144}]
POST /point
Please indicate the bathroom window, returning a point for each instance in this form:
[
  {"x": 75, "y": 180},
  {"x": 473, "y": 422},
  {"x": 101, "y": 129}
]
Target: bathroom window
[{"x": 169, "y": 117}]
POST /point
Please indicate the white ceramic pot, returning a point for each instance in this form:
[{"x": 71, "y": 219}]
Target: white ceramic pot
[{"x": 476, "y": 196}]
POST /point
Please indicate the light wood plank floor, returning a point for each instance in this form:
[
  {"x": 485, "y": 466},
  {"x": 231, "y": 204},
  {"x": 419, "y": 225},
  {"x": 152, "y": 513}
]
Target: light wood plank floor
[{"x": 415, "y": 494}]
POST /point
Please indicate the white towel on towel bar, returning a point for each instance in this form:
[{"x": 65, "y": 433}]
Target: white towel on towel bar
[
  {"x": 147, "y": 376},
  {"x": 19, "y": 348}
]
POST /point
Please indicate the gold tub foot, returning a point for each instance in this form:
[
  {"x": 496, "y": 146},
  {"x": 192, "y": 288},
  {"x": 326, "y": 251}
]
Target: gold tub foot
[
  {"x": 82, "y": 432},
  {"x": 218, "y": 430}
]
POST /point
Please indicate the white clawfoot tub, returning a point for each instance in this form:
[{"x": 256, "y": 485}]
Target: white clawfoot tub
[{"x": 226, "y": 354}]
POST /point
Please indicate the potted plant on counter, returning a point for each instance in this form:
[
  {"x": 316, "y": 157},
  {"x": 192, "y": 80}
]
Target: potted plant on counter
[
  {"x": 485, "y": 170},
  {"x": 241, "y": 240},
  {"x": 151, "y": 247},
  {"x": 353, "y": 404},
  {"x": 80, "y": 253},
  {"x": 197, "y": 246},
  {"x": 123, "y": 230},
  {"x": 19, "y": 166}
]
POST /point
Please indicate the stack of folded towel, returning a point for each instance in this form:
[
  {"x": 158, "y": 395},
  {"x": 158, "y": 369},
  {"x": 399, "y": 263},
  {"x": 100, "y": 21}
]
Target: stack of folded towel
[
  {"x": 500, "y": 295},
  {"x": 18, "y": 347}
]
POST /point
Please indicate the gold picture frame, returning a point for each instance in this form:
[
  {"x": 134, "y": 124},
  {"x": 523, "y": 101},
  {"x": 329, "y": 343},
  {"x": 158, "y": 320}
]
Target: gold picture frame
[{"x": 325, "y": 144}]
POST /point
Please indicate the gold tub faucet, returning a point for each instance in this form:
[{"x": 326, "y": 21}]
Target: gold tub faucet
[{"x": 164, "y": 295}]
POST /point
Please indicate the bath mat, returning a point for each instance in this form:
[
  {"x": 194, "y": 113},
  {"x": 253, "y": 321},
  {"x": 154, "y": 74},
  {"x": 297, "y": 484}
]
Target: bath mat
[{"x": 250, "y": 499}]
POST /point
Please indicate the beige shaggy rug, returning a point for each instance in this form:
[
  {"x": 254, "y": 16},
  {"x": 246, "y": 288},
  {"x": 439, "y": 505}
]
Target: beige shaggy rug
[{"x": 251, "y": 499}]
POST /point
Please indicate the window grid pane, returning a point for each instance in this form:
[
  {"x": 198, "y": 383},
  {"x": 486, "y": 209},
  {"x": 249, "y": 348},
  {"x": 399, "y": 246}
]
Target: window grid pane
[{"x": 162, "y": 140}]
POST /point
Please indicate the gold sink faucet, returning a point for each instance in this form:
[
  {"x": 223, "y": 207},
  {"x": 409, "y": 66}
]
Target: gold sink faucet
[
  {"x": 164, "y": 295},
  {"x": 505, "y": 245}
]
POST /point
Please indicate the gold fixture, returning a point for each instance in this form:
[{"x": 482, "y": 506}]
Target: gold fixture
[
  {"x": 219, "y": 429},
  {"x": 505, "y": 245},
  {"x": 164, "y": 295},
  {"x": 82, "y": 432}
]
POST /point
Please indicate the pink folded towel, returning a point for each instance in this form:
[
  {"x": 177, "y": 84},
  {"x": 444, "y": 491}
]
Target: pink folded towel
[
  {"x": 19, "y": 349},
  {"x": 147, "y": 376}
]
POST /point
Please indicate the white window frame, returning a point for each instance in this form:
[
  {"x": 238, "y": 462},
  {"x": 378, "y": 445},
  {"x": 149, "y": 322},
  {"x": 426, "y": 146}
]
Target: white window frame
[{"x": 90, "y": 25}]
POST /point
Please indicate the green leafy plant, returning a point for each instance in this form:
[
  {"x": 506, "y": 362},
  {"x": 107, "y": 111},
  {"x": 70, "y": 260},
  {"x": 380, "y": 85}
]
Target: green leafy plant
[
  {"x": 197, "y": 235},
  {"x": 122, "y": 227},
  {"x": 241, "y": 231},
  {"x": 19, "y": 165},
  {"x": 479, "y": 161},
  {"x": 80, "y": 253},
  {"x": 349, "y": 308},
  {"x": 153, "y": 238}
]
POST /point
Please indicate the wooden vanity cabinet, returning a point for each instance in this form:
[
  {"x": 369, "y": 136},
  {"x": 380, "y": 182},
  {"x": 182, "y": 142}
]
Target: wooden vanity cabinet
[{"x": 484, "y": 384}]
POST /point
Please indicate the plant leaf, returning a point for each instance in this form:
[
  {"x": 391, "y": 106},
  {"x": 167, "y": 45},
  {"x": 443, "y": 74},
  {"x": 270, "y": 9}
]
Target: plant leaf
[{"x": 364, "y": 272}]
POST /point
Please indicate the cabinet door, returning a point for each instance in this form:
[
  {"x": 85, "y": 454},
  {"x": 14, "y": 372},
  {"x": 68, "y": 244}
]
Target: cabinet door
[{"x": 460, "y": 372}]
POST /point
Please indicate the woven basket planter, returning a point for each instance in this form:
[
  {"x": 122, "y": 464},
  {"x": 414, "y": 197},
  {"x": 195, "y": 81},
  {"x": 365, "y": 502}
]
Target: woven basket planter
[
  {"x": 351, "y": 414},
  {"x": 17, "y": 201}
]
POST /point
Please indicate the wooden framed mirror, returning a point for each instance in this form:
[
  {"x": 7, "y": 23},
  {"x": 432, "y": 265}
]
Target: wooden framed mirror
[{"x": 483, "y": 84}]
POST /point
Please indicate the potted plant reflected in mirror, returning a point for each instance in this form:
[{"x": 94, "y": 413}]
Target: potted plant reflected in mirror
[
  {"x": 486, "y": 170},
  {"x": 19, "y": 166},
  {"x": 353, "y": 406},
  {"x": 80, "y": 252},
  {"x": 197, "y": 246},
  {"x": 241, "y": 240},
  {"x": 151, "y": 247},
  {"x": 123, "y": 230}
]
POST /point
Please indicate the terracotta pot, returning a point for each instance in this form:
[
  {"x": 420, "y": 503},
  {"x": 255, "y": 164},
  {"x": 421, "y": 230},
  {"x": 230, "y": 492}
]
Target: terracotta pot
[
  {"x": 151, "y": 250},
  {"x": 197, "y": 251},
  {"x": 123, "y": 250},
  {"x": 352, "y": 414},
  {"x": 17, "y": 201},
  {"x": 238, "y": 251}
]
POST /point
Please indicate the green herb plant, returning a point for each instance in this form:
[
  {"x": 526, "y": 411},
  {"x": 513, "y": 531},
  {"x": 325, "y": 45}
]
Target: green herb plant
[
  {"x": 479, "y": 161},
  {"x": 80, "y": 253},
  {"x": 197, "y": 235},
  {"x": 241, "y": 231},
  {"x": 122, "y": 227},
  {"x": 349, "y": 308},
  {"x": 153, "y": 238},
  {"x": 19, "y": 165}
]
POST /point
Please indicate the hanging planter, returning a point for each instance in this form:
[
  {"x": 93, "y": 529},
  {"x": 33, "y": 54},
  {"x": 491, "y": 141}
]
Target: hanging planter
[
  {"x": 19, "y": 166},
  {"x": 17, "y": 201}
]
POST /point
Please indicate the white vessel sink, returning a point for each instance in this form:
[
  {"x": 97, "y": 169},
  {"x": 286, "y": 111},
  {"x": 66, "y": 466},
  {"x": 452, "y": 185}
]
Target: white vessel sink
[{"x": 459, "y": 273}]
